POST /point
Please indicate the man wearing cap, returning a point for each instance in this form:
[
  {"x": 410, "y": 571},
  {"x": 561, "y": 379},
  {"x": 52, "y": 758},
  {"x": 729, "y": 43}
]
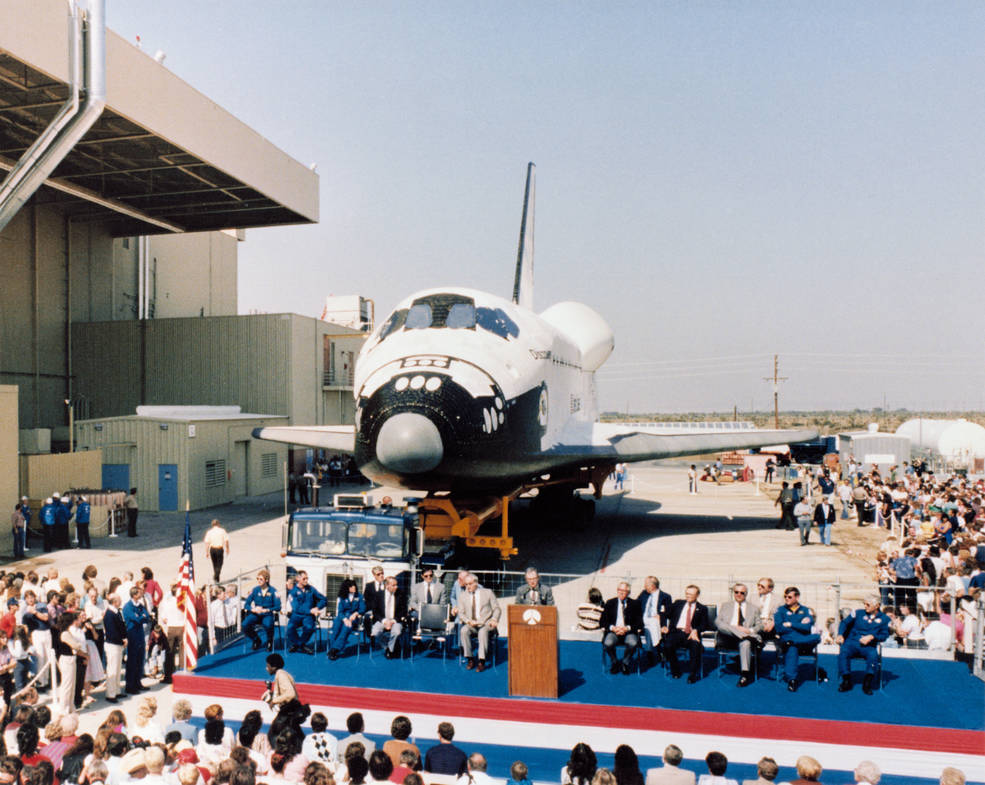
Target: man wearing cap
[
  {"x": 860, "y": 635},
  {"x": 82, "y": 514},
  {"x": 63, "y": 514},
  {"x": 48, "y": 523}
]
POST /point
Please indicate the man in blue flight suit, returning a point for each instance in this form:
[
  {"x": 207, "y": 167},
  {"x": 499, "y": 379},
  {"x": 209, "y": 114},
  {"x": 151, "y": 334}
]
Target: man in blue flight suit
[
  {"x": 63, "y": 514},
  {"x": 135, "y": 616},
  {"x": 82, "y": 513},
  {"x": 860, "y": 635},
  {"x": 792, "y": 624},
  {"x": 261, "y": 606},
  {"x": 306, "y": 603},
  {"x": 48, "y": 518}
]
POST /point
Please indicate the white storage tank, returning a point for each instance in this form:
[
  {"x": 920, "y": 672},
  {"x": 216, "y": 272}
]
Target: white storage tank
[{"x": 956, "y": 439}]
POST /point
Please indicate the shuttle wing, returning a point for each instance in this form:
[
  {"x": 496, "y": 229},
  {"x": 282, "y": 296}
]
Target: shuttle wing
[
  {"x": 334, "y": 438},
  {"x": 634, "y": 443}
]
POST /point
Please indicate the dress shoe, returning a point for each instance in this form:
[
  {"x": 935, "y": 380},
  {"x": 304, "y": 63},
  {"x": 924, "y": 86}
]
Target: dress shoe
[
  {"x": 675, "y": 675},
  {"x": 625, "y": 668},
  {"x": 614, "y": 668},
  {"x": 388, "y": 654},
  {"x": 822, "y": 675},
  {"x": 744, "y": 681},
  {"x": 270, "y": 645},
  {"x": 867, "y": 684},
  {"x": 846, "y": 684},
  {"x": 692, "y": 679},
  {"x": 792, "y": 685},
  {"x": 480, "y": 666},
  {"x": 257, "y": 644},
  {"x": 333, "y": 654},
  {"x": 307, "y": 650},
  {"x": 293, "y": 649},
  {"x": 112, "y": 700},
  {"x": 470, "y": 665}
]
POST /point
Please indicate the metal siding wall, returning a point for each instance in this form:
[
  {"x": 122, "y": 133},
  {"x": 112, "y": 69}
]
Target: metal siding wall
[{"x": 106, "y": 364}]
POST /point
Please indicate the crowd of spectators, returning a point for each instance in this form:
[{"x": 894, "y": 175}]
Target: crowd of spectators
[
  {"x": 930, "y": 566},
  {"x": 37, "y": 748}
]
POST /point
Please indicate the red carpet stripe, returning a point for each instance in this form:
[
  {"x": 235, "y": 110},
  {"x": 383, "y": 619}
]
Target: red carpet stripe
[{"x": 521, "y": 709}]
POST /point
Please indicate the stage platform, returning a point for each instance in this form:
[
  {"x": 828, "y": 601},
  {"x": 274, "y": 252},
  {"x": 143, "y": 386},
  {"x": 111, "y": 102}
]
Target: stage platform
[{"x": 929, "y": 714}]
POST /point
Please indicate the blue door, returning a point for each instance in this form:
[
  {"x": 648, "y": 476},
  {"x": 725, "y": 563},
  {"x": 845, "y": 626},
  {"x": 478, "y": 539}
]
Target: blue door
[
  {"x": 167, "y": 486},
  {"x": 116, "y": 476}
]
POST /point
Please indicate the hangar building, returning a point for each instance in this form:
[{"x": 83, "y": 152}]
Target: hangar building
[{"x": 138, "y": 221}]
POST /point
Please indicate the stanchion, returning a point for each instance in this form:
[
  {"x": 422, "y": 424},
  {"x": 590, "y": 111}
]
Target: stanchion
[{"x": 112, "y": 522}]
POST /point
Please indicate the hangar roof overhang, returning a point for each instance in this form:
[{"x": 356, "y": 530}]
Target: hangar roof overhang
[{"x": 162, "y": 157}]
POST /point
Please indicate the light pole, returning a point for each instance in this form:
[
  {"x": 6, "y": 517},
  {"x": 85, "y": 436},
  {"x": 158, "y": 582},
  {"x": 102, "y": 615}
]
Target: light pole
[{"x": 71, "y": 425}]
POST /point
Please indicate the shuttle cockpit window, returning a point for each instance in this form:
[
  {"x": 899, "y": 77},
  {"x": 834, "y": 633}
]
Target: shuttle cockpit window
[
  {"x": 496, "y": 321},
  {"x": 461, "y": 316},
  {"x": 394, "y": 323},
  {"x": 419, "y": 317}
]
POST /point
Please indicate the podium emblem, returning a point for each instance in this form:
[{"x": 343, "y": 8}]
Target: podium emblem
[{"x": 531, "y": 616}]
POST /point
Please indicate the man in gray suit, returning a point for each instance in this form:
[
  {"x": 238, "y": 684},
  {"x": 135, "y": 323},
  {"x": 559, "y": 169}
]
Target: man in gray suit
[
  {"x": 533, "y": 592},
  {"x": 739, "y": 624},
  {"x": 478, "y": 613},
  {"x": 427, "y": 591},
  {"x": 670, "y": 773}
]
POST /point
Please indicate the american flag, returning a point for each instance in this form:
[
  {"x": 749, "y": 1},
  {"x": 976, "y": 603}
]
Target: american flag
[{"x": 186, "y": 597}]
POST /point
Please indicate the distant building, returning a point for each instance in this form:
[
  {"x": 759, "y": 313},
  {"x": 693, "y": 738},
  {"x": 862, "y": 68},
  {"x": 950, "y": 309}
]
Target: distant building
[
  {"x": 350, "y": 310},
  {"x": 202, "y": 455},
  {"x": 873, "y": 448}
]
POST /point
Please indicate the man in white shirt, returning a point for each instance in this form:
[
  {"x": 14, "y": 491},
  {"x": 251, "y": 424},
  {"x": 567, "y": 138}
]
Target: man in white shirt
[
  {"x": 767, "y": 605},
  {"x": 476, "y": 775}
]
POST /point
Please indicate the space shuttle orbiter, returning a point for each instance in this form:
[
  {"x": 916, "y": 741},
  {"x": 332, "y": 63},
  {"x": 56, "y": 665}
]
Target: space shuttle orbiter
[{"x": 462, "y": 391}]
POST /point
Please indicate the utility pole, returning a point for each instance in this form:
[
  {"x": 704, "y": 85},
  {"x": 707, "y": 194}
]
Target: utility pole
[{"x": 776, "y": 379}]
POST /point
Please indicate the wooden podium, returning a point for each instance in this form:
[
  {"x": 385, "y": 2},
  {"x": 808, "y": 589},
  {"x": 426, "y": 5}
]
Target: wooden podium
[{"x": 533, "y": 650}]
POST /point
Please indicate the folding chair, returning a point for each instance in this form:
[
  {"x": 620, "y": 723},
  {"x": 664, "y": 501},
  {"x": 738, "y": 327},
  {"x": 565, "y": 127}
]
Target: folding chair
[{"x": 432, "y": 627}]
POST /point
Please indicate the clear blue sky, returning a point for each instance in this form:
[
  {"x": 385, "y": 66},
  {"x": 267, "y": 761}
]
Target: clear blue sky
[{"x": 718, "y": 180}]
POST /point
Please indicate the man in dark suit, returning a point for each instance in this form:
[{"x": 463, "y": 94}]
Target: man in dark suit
[
  {"x": 688, "y": 619},
  {"x": 390, "y": 615},
  {"x": 655, "y": 605},
  {"x": 621, "y": 623},
  {"x": 373, "y": 587},
  {"x": 824, "y": 519}
]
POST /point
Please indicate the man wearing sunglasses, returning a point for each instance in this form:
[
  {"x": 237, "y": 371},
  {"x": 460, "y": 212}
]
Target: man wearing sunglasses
[{"x": 739, "y": 625}]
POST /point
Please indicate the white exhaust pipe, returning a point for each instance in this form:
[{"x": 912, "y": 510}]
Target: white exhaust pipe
[{"x": 87, "y": 53}]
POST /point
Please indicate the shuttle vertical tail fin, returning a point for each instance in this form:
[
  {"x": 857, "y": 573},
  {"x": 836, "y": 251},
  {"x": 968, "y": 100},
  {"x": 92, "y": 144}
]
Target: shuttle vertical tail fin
[{"x": 523, "y": 283}]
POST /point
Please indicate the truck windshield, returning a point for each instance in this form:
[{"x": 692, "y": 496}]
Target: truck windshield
[
  {"x": 337, "y": 538},
  {"x": 318, "y": 536},
  {"x": 380, "y": 540}
]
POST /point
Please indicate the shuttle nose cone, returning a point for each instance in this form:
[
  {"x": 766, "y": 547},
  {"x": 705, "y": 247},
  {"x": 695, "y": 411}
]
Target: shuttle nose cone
[{"x": 409, "y": 443}]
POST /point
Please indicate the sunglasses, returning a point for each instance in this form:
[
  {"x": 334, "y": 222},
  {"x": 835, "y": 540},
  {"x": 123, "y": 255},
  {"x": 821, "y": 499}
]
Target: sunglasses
[{"x": 739, "y": 591}]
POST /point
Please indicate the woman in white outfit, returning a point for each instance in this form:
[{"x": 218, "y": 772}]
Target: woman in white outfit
[{"x": 67, "y": 649}]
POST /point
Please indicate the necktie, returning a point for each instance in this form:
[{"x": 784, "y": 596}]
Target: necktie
[
  {"x": 389, "y": 605},
  {"x": 429, "y": 594},
  {"x": 475, "y": 612},
  {"x": 687, "y": 621},
  {"x": 649, "y": 607},
  {"x": 534, "y": 597},
  {"x": 742, "y": 618}
]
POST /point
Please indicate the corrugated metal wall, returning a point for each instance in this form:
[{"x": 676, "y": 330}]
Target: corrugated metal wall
[
  {"x": 145, "y": 445},
  {"x": 235, "y": 360}
]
